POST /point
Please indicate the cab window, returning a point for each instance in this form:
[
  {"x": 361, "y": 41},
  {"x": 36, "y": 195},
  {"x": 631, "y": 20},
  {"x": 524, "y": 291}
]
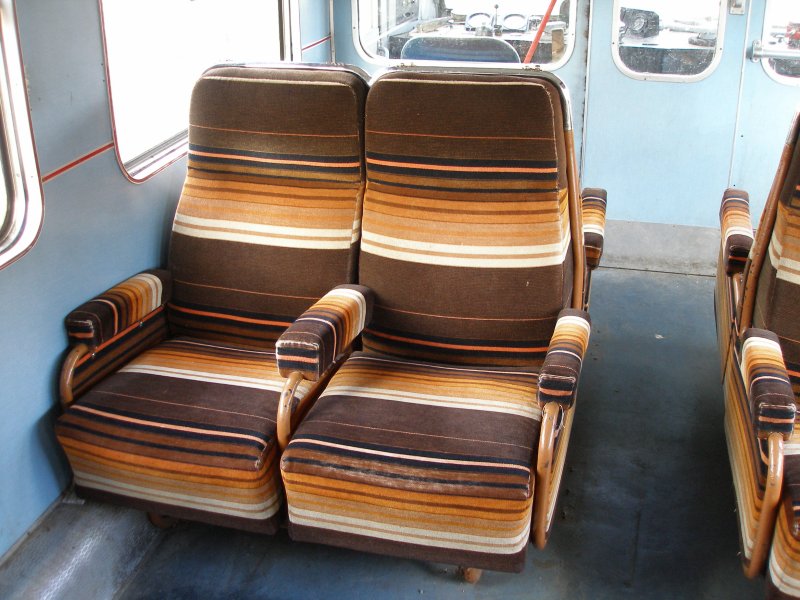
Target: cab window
[
  {"x": 496, "y": 31},
  {"x": 668, "y": 40}
]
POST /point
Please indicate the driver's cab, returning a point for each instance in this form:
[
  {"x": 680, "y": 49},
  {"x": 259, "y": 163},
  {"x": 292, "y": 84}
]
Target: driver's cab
[{"x": 504, "y": 31}]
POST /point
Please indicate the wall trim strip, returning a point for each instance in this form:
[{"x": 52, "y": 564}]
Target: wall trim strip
[
  {"x": 317, "y": 43},
  {"x": 77, "y": 161}
]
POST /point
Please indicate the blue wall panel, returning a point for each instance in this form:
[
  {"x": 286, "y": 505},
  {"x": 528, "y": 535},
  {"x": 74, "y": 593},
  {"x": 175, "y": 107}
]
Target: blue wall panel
[
  {"x": 661, "y": 149},
  {"x": 98, "y": 229},
  {"x": 315, "y": 26},
  {"x": 766, "y": 110}
]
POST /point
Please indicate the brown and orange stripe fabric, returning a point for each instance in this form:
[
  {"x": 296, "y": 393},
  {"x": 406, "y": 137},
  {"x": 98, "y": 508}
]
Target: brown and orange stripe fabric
[
  {"x": 593, "y": 208},
  {"x": 270, "y": 211},
  {"x": 558, "y": 377},
  {"x": 268, "y": 222},
  {"x": 737, "y": 229},
  {"x": 423, "y": 445},
  {"x": 118, "y": 325},
  {"x": 418, "y": 459},
  {"x": 96, "y": 322},
  {"x": 771, "y": 398},
  {"x": 323, "y": 332},
  {"x": 471, "y": 207},
  {"x": 761, "y": 370},
  {"x": 776, "y": 309}
]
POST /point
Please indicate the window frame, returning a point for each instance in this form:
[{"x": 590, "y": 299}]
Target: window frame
[
  {"x": 168, "y": 151},
  {"x": 670, "y": 77},
  {"x": 382, "y": 62},
  {"x": 20, "y": 168},
  {"x": 771, "y": 72}
]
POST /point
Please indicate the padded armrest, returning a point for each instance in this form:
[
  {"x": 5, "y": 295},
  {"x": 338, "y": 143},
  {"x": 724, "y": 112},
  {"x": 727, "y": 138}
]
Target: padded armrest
[
  {"x": 125, "y": 304},
  {"x": 772, "y": 403},
  {"x": 737, "y": 229},
  {"x": 558, "y": 378},
  {"x": 311, "y": 344},
  {"x": 593, "y": 209}
]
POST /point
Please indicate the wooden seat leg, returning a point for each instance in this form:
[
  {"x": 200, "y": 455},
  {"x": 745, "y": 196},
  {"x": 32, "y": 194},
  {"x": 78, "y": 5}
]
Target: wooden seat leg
[
  {"x": 470, "y": 574},
  {"x": 162, "y": 521}
]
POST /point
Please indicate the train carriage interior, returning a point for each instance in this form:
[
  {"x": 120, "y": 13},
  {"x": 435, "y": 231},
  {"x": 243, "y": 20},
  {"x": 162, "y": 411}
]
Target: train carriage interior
[{"x": 400, "y": 299}]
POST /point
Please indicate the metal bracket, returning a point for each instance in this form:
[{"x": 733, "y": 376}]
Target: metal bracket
[{"x": 736, "y": 7}]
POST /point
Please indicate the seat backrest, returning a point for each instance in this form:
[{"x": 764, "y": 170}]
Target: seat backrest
[
  {"x": 269, "y": 216},
  {"x": 466, "y": 237},
  {"x": 473, "y": 49},
  {"x": 777, "y": 301}
]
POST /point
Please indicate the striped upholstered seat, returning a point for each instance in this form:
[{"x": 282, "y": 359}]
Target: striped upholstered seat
[
  {"x": 425, "y": 444},
  {"x": 172, "y": 386},
  {"x": 762, "y": 371}
]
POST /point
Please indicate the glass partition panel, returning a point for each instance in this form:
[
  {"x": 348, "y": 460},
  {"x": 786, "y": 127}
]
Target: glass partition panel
[
  {"x": 673, "y": 40},
  {"x": 497, "y": 31},
  {"x": 781, "y": 36}
]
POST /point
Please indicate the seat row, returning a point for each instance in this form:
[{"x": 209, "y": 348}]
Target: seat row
[
  {"x": 758, "y": 332},
  {"x": 372, "y": 320}
]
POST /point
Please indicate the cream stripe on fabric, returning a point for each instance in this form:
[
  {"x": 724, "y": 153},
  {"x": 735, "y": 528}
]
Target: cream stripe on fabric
[
  {"x": 154, "y": 285},
  {"x": 787, "y": 269},
  {"x": 411, "y": 535},
  {"x": 530, "y": 411},
  {"x": 262, "y": 510},
  {"x": 265, "y": 235},
  {"x": 411, "y": 457},
  {"x": 734, "y": 230},
  {"x": 743, "y": 485},
  {"x": 248, "y": 382},
  {"x": 291, "y": 82},
  {"x": 465, "y": 256},
  {"x": 587, "y": 228}
]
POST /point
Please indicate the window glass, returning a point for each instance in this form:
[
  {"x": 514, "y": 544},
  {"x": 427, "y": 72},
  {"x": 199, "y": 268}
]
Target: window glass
[
  {"x": 21, "y": 206},
  {"x": 667, "y": 39},
  {"x": 782, "y": 36},
  {"x": 157, "y": 49},
  {"x": 498, "y": 31}
]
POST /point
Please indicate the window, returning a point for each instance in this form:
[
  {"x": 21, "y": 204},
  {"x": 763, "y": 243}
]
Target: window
[
  {"x": 780, "y": 41},
  {"x": 156, "y": 50},
  {"x": 497, "y": 31},
  {"x": 21, "y": 205},
  {"x": 668, "y": 40}
]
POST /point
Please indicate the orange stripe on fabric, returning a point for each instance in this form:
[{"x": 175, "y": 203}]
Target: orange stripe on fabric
[
  {"x": 461, "y": 137},
  {"x": 168, "y": 426},
  {"x": 277, "y": 161},
  {"x": 398, "y": 338},
  {"x": 229, "y": 317},
  {"x": 317, "y": 135},
  {"x": 427, "y": 167},
  {"x": 120, "y": 334}
]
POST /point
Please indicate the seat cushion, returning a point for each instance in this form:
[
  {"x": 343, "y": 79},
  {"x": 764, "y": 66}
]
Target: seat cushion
[
  {"x": 186, "y": 429},
  {"x": 783, "y": 569},
  {"x": 466, "y": 232},
  {"x": 418, "y": 459},
  {"x": 269, "y": 216}
]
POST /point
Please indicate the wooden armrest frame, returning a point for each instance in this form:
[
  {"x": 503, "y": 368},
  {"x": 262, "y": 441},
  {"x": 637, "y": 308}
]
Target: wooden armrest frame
[
  {"x": 68, "y": 372},
  {"x": 291, "y": 410},
  {"x": 553, "y": 442},
  {"x": 769, "y": 507}
]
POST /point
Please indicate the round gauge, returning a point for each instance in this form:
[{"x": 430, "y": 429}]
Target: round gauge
[
  {"x": 480, "y": 19},
  {"x": 515, "y": 22},
  {"x": 638, "y": 25}
]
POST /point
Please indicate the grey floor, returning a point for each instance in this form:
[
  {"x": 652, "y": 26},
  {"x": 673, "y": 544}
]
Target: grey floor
[{"x": 647, "y": 507}]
